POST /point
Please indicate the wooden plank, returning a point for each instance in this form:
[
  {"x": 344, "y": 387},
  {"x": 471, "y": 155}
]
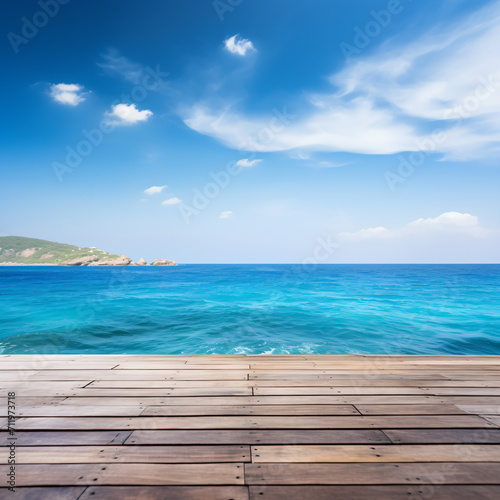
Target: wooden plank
[
  {"x": 127, "y": 474},
  {"x": 380, "y": 453},
  {"x": 253, "y": 422},
  {"x": 494, "y": 419},
  {"x": 133, "y": 375},
  {"x": 434, "y": 491},
  {"x": 365, "y": 384},
  {"x": 347, "y": 377},
  {"x": 165, "y": 493},
  {"x": 441, "y": 409},
  {"x": 168, "y": 384},
  {"x": 463, "y": 391},
  {"x": 44, "y": 493},
  {"x": 153, "y": 365},
  {"x": 272, "y": 400},
  {"x": 34, "y": 401},
  {"x": 80, "y": 411},
  {"x": 449, "y": 436},
  {"x": 105, "y": 393},
  {"x": 65, "y": 438},
  {"x": 372, "y": 382},
  {"x": 309, "y": 391},
  {"x": 481, "y": 409},
  {"x": 252, "y": 410},
  {"x": 219, "y": 437},
  {"x": 373, "y": 473},
  {"x": 128, "y": 454}
]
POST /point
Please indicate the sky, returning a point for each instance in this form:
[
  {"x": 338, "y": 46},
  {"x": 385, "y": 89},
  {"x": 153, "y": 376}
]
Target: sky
[{"x": 254, "y": 131}]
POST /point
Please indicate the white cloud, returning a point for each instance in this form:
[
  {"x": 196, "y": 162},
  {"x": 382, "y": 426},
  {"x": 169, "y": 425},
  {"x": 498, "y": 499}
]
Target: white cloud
[
  {"x": 245, "y": 162},
  {"x": 127, "y": 114},
  {"x": 171, "y": 201},
  {"x": 448, "y": 222},
  {"x": 391, "y": 101},
  {"x": 67, "y": 93},
  {"x": 225, "y": 215},
  {"x": 154, "y": 189},
  {"x": 240, "y": 46}
]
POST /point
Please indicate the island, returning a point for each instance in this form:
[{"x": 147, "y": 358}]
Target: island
[{"x": 21, "y": 251}]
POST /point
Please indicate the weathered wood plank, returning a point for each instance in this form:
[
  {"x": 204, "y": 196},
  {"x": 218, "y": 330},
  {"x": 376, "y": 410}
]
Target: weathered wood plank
[
  {"x": 481, "y": 409},
  {"x": 129, "y": 454},
  {"x": 275, "y": 400},
  {"x": 435, "y": 491},
  {"x": 373, "y": 473},
  {"x": 441, "y": 409},
  {"x": 66, "y": 438},
  {"x": 252, "y": 410},
  {"x": 219, "y": 437},
  {"x": 494, "y": 419},
  {"x": 165, "y": 493},
  {"x": 80, "y": 411},
  {"x": 44, "y": 493},
  {"x": 105, "y": 393},
  {"x": 139, "y": 375},
  {"x": 128, "y": 474},
  {"x": 450, "y": 436},
  {"x": 253, "y": 422},
  {"x": 309, "y": 391},
  {"x": 381, "y": 453}
]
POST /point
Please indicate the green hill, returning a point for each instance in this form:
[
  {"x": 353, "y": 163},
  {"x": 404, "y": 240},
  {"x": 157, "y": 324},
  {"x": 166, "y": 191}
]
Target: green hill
[{"x": 20, "y": 250}]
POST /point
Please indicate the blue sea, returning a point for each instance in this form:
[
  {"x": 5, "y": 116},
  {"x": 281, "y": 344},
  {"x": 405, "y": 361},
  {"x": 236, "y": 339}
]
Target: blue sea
[{"x": 251, "y": 309}]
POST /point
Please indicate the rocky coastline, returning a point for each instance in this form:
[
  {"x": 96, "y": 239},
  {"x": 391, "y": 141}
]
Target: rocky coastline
[
  {"x": 121, "y": 260},
  {"x": 23, "y": 251}
]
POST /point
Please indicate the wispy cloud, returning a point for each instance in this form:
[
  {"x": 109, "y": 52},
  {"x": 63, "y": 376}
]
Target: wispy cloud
[
  {"x": 245, "y": 162},
  {"x": 114, "y": 63},
  {"x": 239, "y": 46},
  {"x": 448, "y": 222},
  {"x": 171, "y": 201},
  {"x": 70, "y": 94},
  {"x": 127, "y": 114},
  {"x": 154, "y": 189},
  {"x": 226, "y": 215},
  {"x": 392, "y": 101}
]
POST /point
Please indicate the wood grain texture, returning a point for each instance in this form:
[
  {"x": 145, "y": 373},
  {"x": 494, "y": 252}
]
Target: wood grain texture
[
  {"x": 246, "y": 427},
  {"x": 434, "y": 492}
]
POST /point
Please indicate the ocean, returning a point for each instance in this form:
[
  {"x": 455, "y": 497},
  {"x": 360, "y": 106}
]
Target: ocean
[{"x": 251, "y": 309}]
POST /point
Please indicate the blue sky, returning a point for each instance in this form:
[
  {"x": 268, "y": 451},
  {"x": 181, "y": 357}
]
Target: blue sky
[{"x": 252, "y": 130}]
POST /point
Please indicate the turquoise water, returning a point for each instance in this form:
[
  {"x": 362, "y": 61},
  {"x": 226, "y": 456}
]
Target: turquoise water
[{"x": 251, "y": 309}]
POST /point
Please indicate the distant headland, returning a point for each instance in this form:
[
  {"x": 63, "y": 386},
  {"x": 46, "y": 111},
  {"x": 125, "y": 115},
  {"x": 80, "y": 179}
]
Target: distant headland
[{"x": 20, "y": 251}]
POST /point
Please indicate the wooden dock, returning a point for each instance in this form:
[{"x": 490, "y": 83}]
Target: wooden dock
[{"x": 251, "y": 427}]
